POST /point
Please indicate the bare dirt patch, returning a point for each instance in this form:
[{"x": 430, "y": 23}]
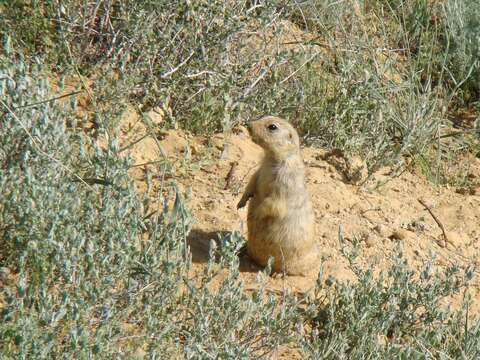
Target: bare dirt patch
[{"x": 381, "y": 215}]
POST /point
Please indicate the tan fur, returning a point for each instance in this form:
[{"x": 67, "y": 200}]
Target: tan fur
[{"x": 280, "y": 216}]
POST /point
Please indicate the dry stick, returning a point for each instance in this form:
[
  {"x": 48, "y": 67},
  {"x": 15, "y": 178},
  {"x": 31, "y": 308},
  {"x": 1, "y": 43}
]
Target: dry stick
[
  {"x": 48, "y": 100},
  {"x": 168, "y": 73},
  {"x": 231, "y": 174},
  {"x": 148, "y": 124},
  {"x": 301, "y": 66},
  {"x": 434, "y": 218},
  {"x": 153, "y": 162}
]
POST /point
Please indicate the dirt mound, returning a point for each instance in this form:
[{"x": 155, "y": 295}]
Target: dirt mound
[{"x": 380, "y": 215}]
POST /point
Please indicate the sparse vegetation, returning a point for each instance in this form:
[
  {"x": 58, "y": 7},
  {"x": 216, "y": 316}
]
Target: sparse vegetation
[
  {"x": 87, "y": 272},
  {"x": 380, "y": 78},
  {"x": 395, "y": 315},
  {"x": 87, "y": 269}
]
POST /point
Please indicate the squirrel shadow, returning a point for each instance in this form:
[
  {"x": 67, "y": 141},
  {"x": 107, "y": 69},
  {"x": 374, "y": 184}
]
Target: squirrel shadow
[{"x": 199, "y": 243}]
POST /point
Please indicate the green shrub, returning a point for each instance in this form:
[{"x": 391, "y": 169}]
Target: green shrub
[
  {"x": 462, "y": 46},
  {"x": 375, "y": 78},
  {"x": 85, "y": 271},
  {"x": 31, "y": 26},
  {"x": 88, "y": 270},
  {"x": 397, "y": 314}
]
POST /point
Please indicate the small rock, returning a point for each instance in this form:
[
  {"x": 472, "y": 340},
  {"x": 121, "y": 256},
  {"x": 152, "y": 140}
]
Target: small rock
[
  {"x": 357, "y": 170},
  {"x": 382, "y": 230},
  {"x": 370, "y": 241},
  {"x": 156, "y": 115}
]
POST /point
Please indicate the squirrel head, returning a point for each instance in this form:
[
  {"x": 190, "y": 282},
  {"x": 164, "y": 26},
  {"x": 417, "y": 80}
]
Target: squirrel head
[{"x": 276, "y": 136}]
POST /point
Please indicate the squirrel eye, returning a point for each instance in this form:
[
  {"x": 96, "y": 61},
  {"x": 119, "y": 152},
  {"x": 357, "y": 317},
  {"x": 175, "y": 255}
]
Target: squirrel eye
[{"x": 272, "y": 127}]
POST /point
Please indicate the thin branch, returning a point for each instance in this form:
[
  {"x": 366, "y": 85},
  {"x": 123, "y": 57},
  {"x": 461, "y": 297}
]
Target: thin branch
[
  {"x": 96, "y": 181},
  {"x": 257, "y": 80},
  {"x": 168, "y": 73},
  {"x": 203, "y": 72},
  {"x": 434, "y": 218},
  {"x": 134, "y": 142},
  {"x": 48, "y": 100},
  {"x": 301, "y": 66},
  {"x": 147, "y": 163}
]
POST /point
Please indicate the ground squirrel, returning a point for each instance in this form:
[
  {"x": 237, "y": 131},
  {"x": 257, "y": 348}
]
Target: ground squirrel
[{"x": 280, "y": 216}]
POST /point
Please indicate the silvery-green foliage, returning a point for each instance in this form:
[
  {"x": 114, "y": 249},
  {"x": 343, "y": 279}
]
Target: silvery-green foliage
[
  {"x": 398, "y": 314},
  {"x": 69, "y": 244},
  {"x": 85, "y": 272},
  {"x": 230, "y": 314},
  {"x": 377, "y": 78},
  {"x": 462, "y": 40}
]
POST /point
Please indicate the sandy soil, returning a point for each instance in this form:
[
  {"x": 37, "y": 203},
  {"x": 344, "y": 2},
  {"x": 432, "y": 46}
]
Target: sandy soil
[{"x": 382, "y": 214}]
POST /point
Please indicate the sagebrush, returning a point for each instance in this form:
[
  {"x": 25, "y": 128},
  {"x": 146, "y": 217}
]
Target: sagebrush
[{"x": 90, "y": 268}]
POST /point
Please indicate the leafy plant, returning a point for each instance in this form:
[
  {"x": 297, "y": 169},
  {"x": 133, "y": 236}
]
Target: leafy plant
[
  {"x": 86, "y": 268},
  {"x": 396, "y": 314}
]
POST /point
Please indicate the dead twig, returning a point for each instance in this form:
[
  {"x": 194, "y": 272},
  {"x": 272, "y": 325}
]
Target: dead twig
[
  {"x": 435, "y": 218},
  {"x": 48, "y": 100},
  {"x": 300, "y": 67},
  {"x": 231, "y": 174},
  {"x": 174, "y": 70}
]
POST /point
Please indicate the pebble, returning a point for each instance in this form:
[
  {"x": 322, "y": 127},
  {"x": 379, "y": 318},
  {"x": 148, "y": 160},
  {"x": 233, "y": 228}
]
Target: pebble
[{"x": 382, "y": 230}]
